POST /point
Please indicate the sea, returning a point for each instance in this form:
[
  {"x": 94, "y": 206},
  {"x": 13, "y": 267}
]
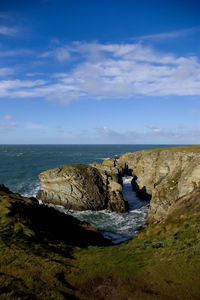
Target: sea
[{"x": 21, "y": 164}]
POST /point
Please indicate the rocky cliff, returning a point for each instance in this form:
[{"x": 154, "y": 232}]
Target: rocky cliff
[
  {"x": 83, "y": 187},
  {"x": 167, "y": 176}
]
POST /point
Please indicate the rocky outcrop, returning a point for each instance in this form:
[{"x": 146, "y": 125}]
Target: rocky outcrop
[
  {"x": 82, "y": 187},
  {"x": 165, "y": 176},
  {"x": 112, "y": 180}
]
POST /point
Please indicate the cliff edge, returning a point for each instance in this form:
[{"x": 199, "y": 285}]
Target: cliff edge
[{"x": 170, "y": 177}]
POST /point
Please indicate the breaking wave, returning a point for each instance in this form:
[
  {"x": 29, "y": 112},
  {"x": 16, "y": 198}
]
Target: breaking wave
[{"x": 118, "y": 227}]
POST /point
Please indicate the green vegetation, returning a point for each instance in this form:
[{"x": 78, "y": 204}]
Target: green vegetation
[
  {"x": 186, "y": 148},
  {"x": 48, "y": 255},
  {"x": 162, "y": 263}
]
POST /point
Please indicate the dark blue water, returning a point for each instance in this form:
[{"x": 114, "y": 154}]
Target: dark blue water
[{"x": 21, "y": 164}]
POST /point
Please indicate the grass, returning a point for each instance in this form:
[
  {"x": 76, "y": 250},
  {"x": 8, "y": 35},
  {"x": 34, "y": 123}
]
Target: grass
[
  {"x": 186, "y": 148},
  {"x": 46, "y": 255},
  {"x": 162, "y": 263}
]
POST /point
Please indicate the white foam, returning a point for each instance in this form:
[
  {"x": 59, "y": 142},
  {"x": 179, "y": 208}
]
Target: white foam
[
  {"x": 127, "y": 179},
  {"x": 33, "y": 190},
  {"x": 20, "y": 154}
]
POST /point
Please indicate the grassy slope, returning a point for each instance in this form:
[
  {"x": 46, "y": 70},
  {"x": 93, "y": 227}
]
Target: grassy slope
[
  {"x": 36, "y": 244},
  {"x": 162, "y": 263}
]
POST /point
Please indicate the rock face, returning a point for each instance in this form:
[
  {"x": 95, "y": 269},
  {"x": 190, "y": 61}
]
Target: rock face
[
  {"x": 165, "y": 175},
  {"x": 112, "y": 179},
  {"x": 82, "y": 187}
]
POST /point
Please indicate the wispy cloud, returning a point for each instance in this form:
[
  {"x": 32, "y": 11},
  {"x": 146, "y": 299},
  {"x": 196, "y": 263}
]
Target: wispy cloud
[
  {"x": 6, "y": 71},
  {"x": 7, "y": 117},
  {"x": 153, "y": 135},
  {"x": 155, "y": 129},
  {"x": 193, "y": 111},
  {"x": 16, "y": 52},
  {"x": 169, "y": 34},
  {"x": 10, "y": 31},
  {"x": 7, "y": 122},
  {"x": 61, "y": 54},
  {"x": 103, "y": 71},
  {"x": 34, "y": 126},
  {"x": 7, "y": 125}
]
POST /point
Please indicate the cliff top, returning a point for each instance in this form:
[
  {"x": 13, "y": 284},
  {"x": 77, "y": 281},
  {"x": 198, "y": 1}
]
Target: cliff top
[
  {"x": 72, "y": 169},
  {"x": 184, "y": 148},
  {"x": 187, "y": 148}
]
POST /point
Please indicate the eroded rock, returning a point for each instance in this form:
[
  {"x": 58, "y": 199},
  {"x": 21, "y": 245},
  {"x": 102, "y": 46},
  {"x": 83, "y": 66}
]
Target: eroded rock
[
  {"x": 83, "y": 187},
  {"x": 165, "y": 174}
]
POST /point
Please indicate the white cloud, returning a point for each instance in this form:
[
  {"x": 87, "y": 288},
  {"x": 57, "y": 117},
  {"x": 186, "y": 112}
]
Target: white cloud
[
  {"x": 7, "y": 125},
  {"x": 7, "y": 117},
  {"x": 10, "y": 31},
  {"x": 61, "y": 54},
  {"x": 35, "y": 74},
  {"x": 169, "y": 34},
  {"x": 11, "y": 124},
  {"x": 111, "y": 71},
  {"x": 155, "y": 128},
  {"x": 155, "y": 135}
]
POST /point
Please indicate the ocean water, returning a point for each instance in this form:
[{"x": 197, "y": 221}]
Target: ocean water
[{"x": 21, "y": 164}]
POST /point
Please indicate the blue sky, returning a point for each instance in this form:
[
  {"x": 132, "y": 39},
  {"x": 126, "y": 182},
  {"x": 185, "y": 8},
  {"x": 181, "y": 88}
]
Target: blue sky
[{"x": 113, "y": 72}]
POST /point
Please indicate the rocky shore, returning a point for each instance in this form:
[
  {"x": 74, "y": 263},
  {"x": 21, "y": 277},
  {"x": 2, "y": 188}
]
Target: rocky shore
[{"x": 167, "y": 177}]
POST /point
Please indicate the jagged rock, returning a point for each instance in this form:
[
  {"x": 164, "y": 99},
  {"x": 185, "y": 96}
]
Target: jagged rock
[
  {"x": 164, "y": 174},
  {"x": 82, "y": 187},
  {"x": 112, "y": 179}
]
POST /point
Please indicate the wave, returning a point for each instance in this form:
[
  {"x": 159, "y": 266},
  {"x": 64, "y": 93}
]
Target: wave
[
  {"x": 31, "y": 189},
  {"x": 118, "y": 227}
]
